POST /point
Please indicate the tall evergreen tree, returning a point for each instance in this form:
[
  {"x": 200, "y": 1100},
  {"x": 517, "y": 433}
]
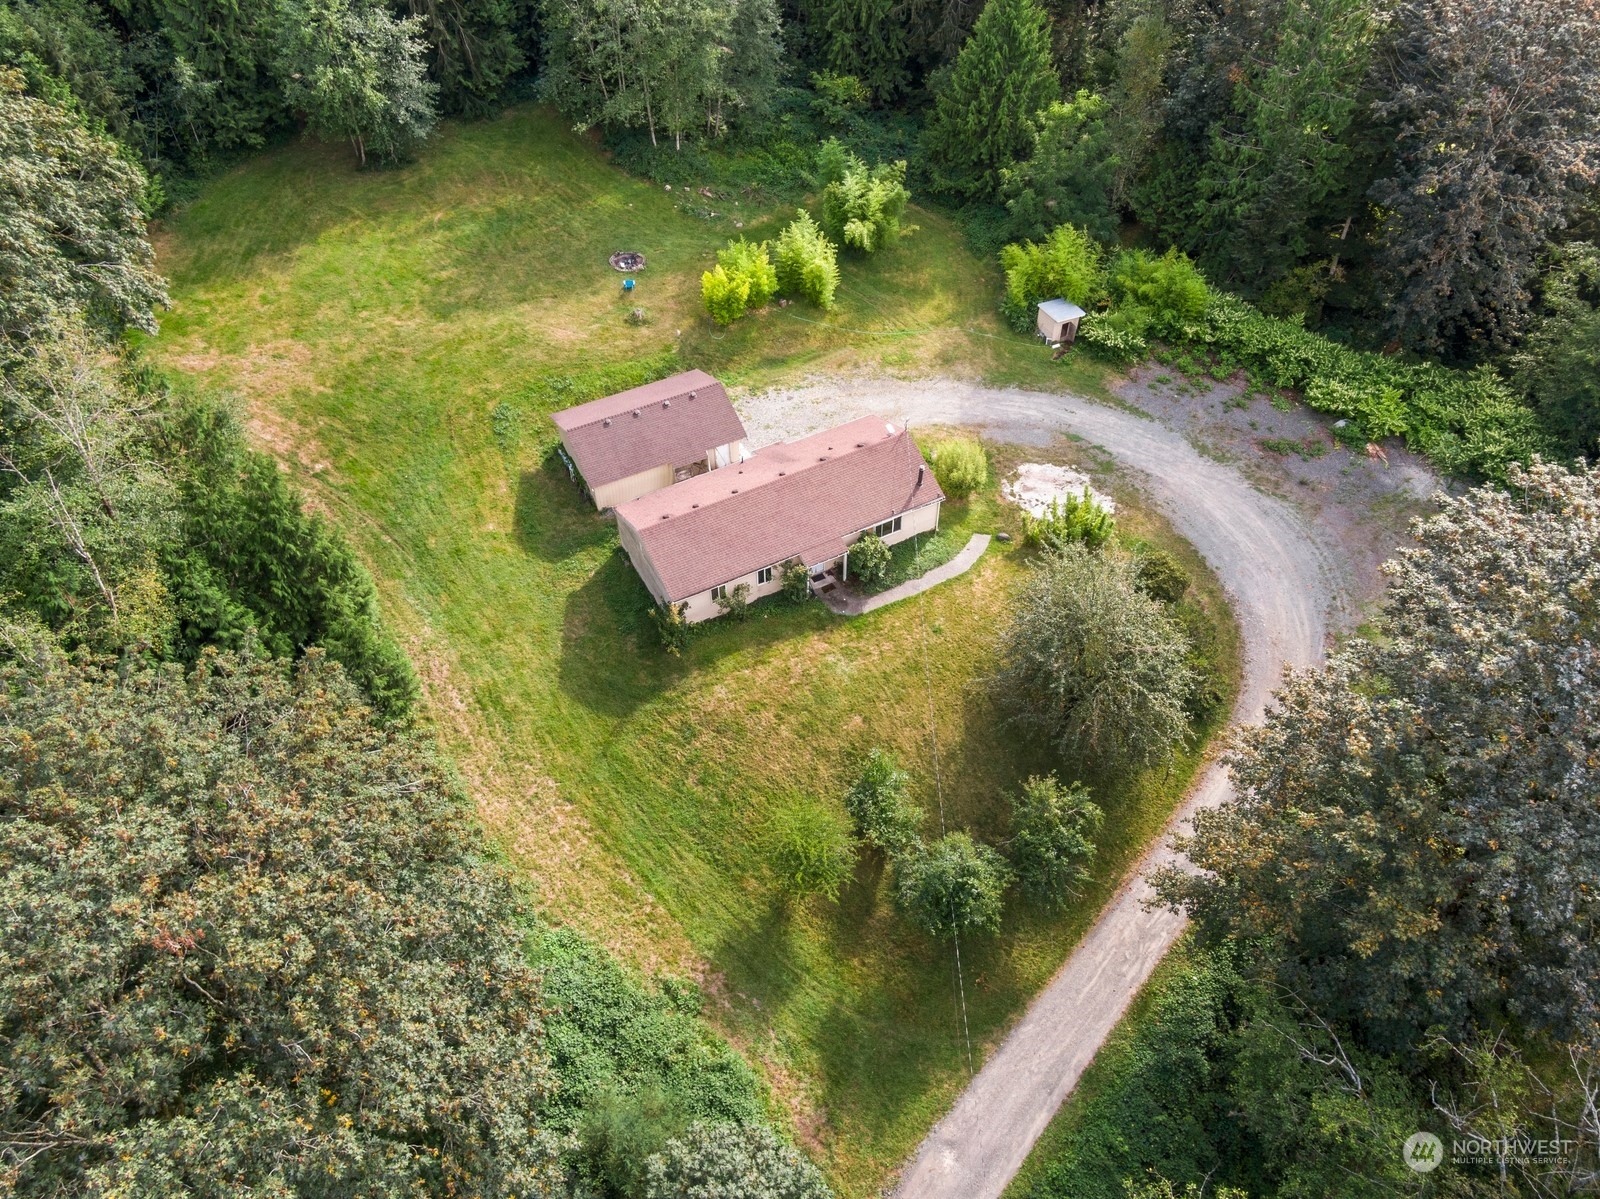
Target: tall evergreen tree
[
  {"x": 866, "y": 39},
  {"x": 983, "y": 112},
  {"x": 472, "y": 49}
]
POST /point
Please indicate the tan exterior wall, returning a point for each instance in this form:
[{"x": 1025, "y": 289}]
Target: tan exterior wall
[
  {"x": 732, "y": 450},
  {"x": 612, "y": 494},
  {"x": 641, "y": 561}
]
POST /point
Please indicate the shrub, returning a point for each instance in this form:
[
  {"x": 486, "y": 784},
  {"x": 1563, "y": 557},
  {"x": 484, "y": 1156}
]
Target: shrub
[
  {"x": 1170, "y": 288},
  {"x": 1113, "y": 336},
  {"x": 1067, "y": 264},
  {"x": 811, "y": 850},
  {"x": 806, "y": 262},
  {"x": 838, "y": 98},
  {"x": 1093, "y": 663},
  {"x": 1071, "y": 519},
  {"x": 860, "y": 207},
  {"x": 960, "y": 465},
  {"x": 732, "y": 1161},
  {"x": 619, "y": 1132},
  {"x": 725, "y": 295},
  {"x": 673, "y": 626},
  {"x": 796, "y": 581},
  {"x": 868, "y": 559},
  {"x": 1161, "y": 576},
  {"x": 610, "y": 1034},
  {"x": 1051, "y": 831},
  {"x": 883, "y": 816},
  {"x": 750, "y": 261},
  {"x": 953, "y": 886},
  {"x": 735, "y": 602}
]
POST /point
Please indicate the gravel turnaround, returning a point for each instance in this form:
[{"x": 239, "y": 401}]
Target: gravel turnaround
[{"x": 1288, "y": 592}]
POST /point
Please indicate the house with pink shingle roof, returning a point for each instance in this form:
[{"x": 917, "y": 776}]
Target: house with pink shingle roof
[
  {"x": 641, "y": 440},
  {"x": 807, "y": 500}
]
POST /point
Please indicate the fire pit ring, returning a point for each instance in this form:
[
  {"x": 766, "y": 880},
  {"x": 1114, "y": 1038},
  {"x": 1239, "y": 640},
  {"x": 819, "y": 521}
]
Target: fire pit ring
[{"x": 627, "y": 261}]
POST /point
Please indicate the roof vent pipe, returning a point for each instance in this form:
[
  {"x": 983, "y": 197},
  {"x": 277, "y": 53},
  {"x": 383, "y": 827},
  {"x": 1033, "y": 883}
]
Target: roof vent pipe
[{"x": 921, "y": 470}]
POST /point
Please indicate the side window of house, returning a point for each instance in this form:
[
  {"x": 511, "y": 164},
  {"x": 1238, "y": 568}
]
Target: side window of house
[
  {"x": 764, "y": 575},
  {"x": 719, "y": 592},
  {"x": 887, "y": 527}
]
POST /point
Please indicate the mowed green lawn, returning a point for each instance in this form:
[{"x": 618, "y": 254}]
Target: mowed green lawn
[{"x": 374, "y": 323}]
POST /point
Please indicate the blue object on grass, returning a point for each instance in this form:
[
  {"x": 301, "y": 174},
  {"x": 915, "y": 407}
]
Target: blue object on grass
[{"x": 627, "y": 285}]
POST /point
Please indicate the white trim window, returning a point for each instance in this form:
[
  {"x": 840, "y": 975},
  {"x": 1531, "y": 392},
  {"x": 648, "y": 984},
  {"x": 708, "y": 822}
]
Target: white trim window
[
  {"x": 764, "y": 575},
  {"x": 719, "y": 593},
  {"x": 887, "y": 527}
]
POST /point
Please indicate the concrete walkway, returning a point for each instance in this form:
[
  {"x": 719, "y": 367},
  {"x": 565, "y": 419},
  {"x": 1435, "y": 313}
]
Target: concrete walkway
[{"x": 857, "y": 605}]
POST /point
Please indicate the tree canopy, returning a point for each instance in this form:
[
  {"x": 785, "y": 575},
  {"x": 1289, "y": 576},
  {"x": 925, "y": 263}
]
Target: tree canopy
[
  {"x": 253, "y": 942},
  {"x": 1415, "y": 833},
  {"x": 72, "y": 233},
  {"x": 1093, "y": 663}
]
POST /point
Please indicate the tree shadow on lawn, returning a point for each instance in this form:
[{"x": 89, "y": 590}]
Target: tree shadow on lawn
[
  {"x": 760, "y": 957},
  {"x": 554, "y": 519}
]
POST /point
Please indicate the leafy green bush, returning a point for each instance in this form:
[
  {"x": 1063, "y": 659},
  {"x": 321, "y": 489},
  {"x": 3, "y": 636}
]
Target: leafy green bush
[
  {"x": 868, "y": 558},
  {"x": 838, "y": 97},
  {"x": 1161, "y": 576},
  {"x": 1067, "y": 264},
  {"x": 861, "y": 208},
  {"x": 1051, "y": 845},
  {"x": 811, "y": 850},
  {"x": 750, "y": 261},
  {"x": 610, "y": 1036},
  {"x": 725, "y": 294},
  {"x": 735, "y": 601},
  {"x": 1113, "y": 337},
  {"x": 731, "y": 1161},
  {"x": 878, "y": 805},
  {"x": 1170, "y": 288},
  {"x": 1070, "y": 519},
  {"x": 1467, "y": 422},
  {"x": 796, "y": 581},
  {"x": 960, "y": 465},
  {"x": 807, "y": 263},
  {"x": 620, "y": 1130},
  {"x": 673, "y": 625},
  {"x": 953, "y": 886}
]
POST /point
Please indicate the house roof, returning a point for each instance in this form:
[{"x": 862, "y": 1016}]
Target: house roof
[
  {"x": 671, "y": 421},
  {"x": 1061, "y": 310},
  {"x": 797, "y": 498}
]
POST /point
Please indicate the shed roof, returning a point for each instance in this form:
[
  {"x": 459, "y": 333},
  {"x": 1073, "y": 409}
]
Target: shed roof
[
  {"x": 1061, "y": 310},
  {"x": 669, "y": 422},
  {"x": 789, "y": 500}
]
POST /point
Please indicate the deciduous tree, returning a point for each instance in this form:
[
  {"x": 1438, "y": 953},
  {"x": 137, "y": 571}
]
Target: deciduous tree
[
  {"x": 72, "y": 234},
  {"x": 1093, "y": 663},
  {"x": 1052, "y": 831},
  {"x": 953, "y": 886},
  {"x": 732, "y": 1161},
  {"x": 1416, "y": 836},
  {"x": 358, "y": 73}
]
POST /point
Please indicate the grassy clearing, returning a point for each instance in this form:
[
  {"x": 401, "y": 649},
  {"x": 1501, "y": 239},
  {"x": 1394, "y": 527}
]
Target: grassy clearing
[{"x": 398, "y": 338}]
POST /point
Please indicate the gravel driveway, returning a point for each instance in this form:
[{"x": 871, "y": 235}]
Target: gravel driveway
[{"x": 1298, "y": 567}]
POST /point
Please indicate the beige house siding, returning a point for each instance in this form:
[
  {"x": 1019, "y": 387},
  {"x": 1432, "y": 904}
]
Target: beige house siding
[
  {"x": 729, "y": 452},
  {"x": 702, "y": 607},
  {"x": 609, "y": 495},
  {"x": 641, "y": 561}
]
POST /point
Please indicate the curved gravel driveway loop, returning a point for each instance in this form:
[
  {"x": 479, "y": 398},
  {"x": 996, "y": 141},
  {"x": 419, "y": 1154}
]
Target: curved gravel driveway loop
[{"x": 1287, "y": 594}]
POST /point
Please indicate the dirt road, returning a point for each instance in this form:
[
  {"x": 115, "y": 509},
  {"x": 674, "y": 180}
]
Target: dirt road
[{"x": 1292, "y": 576}]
